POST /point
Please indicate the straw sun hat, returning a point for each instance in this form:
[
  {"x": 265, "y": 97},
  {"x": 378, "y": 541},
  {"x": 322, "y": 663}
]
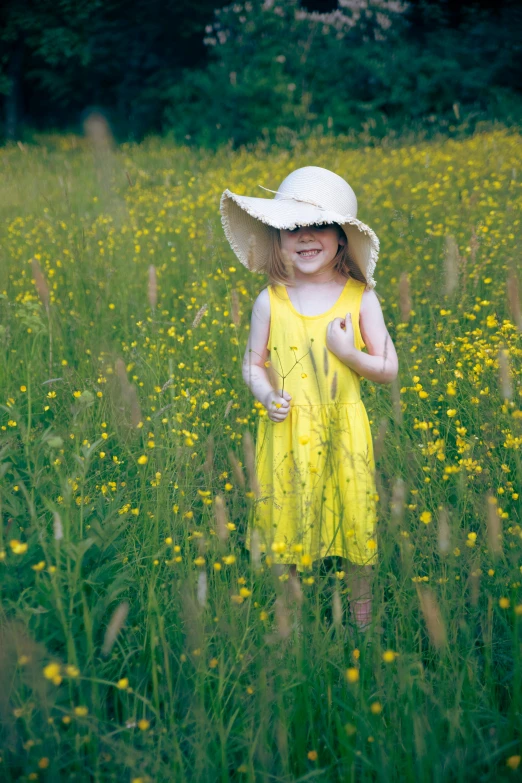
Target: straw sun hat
[{"x": 309, "y": 195}]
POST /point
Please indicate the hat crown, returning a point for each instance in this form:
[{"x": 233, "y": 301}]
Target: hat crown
[{"x": 321, "y": 187}]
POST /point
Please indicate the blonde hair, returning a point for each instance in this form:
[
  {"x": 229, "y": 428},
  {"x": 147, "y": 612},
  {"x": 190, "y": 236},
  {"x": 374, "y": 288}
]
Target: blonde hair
[{"x": 280, "y": 270}]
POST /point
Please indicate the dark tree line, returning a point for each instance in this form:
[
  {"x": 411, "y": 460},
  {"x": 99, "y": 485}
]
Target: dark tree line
[
  {"x": 133, "y": 59},
  {"x": 59, "y": 57}
]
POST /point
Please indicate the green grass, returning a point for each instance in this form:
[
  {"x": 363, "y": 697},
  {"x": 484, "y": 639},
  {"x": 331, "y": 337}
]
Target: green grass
[{"x": 87, "y": 527}]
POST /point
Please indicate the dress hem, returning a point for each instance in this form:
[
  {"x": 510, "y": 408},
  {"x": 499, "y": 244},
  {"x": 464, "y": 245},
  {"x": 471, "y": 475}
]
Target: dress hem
[{"x": 331, "y": 553}]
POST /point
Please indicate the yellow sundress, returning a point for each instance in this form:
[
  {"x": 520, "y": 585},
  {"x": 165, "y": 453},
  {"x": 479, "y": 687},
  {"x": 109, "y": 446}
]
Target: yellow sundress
[{"x": 316, "y": 468}]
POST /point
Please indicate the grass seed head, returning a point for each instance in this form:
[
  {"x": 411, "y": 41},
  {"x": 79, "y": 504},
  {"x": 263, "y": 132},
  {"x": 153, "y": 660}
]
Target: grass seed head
[
  {"x": 21, "y": 672},
  {"x": 295, "y": 591},
  {"x": 451, "y": 264},
  {"x": 221, "y": 518},
  {"x": 166, "y": 385},
  {"x": 236, "y": 468},
  {"x": 333, "y": 387},
  {"x": 506, "y": 383},
  {"x": 41, "y": 283},
  {"x": 255, "y": 549},
  {"x": 191, "y": 615},
  {"x": 250, "y": 462},
  {"x": 57, "y": 526},
  {"x": 396, "y": 400},
  {"x": 398, "y": 500},
  {"x": 153, "y": 287},
  {"x": 236, "y": 317},
  {"x": 513, "y": 295},
  {"x": 443, "y": 535},
  {"x": 474, "y": 245},
  {"x": 135, "y": 410},
  {"x": 121, "y": 373},
  {"x": 199, "y": 315},
  {"x": 202, "y": 588},
  {"x": 381, "y": 435},
  {"x": 494, "y": 526},
  {"x": 98, "y": 132},
  {"x": 381, "y": 489},
  {"x": 116, "y": 624},
  {"x": 128, "y": 392},
  {"x": 404, "y": 297},
  {"x": 337, "y": 608},
  {"x": 282, "y": 618},
  {"x": 312, "y": 360},
  {"x": 432, "y": 617}
]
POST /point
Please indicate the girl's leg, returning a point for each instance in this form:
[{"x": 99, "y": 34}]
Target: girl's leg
[
  {"x": 359, "y": 580},
  {"x": 290, "y": 593}
]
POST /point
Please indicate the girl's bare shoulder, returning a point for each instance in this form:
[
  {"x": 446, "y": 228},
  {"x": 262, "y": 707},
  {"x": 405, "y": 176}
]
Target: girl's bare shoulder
[
  {"x": 369, "y": 302},
  {"x": 262, "y": 305}
]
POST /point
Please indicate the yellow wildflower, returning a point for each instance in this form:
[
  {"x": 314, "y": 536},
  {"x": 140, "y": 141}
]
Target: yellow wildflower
[
  {"x": 18, "y": 547},
  {"x": 52, "y": 672}
]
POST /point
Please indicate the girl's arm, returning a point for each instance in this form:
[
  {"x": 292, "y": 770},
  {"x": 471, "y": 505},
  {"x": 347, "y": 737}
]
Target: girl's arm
[
  {"x": 256, "y": 354},
  {"x": 381, "y": 363}
]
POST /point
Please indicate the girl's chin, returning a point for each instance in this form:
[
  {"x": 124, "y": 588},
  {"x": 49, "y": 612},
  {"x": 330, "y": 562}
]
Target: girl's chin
[{"x": 311, "y": 267}]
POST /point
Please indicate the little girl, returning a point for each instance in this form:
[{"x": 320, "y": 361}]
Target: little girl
[{"x": 303, "y": 362}]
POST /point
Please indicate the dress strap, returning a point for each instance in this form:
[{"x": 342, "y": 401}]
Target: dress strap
[{"x": 351, "y": 300}]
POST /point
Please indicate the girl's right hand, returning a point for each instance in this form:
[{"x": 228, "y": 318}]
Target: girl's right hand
[{"x": 281, "y": 398}]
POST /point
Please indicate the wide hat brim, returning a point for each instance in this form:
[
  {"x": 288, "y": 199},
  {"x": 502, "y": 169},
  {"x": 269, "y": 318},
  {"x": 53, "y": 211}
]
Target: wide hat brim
[{"x": 244, "y": 217}]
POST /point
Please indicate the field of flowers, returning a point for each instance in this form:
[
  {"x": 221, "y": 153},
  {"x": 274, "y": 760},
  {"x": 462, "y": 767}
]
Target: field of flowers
[{"x": 138, "y": 642}]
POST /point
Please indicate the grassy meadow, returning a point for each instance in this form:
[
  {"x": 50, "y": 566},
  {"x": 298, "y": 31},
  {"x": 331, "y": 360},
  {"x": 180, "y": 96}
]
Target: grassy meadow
[{"x": 138, "y": 640}]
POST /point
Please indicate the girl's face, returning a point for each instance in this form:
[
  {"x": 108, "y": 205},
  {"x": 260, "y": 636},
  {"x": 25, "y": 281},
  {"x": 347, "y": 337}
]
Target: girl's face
[{"x": 312, "y": 248}]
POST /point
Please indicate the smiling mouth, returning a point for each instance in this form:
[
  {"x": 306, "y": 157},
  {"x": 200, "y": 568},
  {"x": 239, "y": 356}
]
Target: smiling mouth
[{"x": 308, "y": 253}]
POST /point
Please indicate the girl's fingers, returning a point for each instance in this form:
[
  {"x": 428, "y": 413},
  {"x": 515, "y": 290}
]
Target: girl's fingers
[
  {"x": 282, "y": 400},
  {"x": 278, "y": 416}
]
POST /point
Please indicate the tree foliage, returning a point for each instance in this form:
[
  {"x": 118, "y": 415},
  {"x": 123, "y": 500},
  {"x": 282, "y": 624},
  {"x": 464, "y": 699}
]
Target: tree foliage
[
  {"x": 259, "y": 68},
  {"x": 117, "y": 56},
  {"x": 377, "y": 65}
]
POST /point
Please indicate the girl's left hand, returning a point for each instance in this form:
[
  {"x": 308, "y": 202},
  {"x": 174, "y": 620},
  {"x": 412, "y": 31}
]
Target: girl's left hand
[{"x": 340, "y": 337}]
